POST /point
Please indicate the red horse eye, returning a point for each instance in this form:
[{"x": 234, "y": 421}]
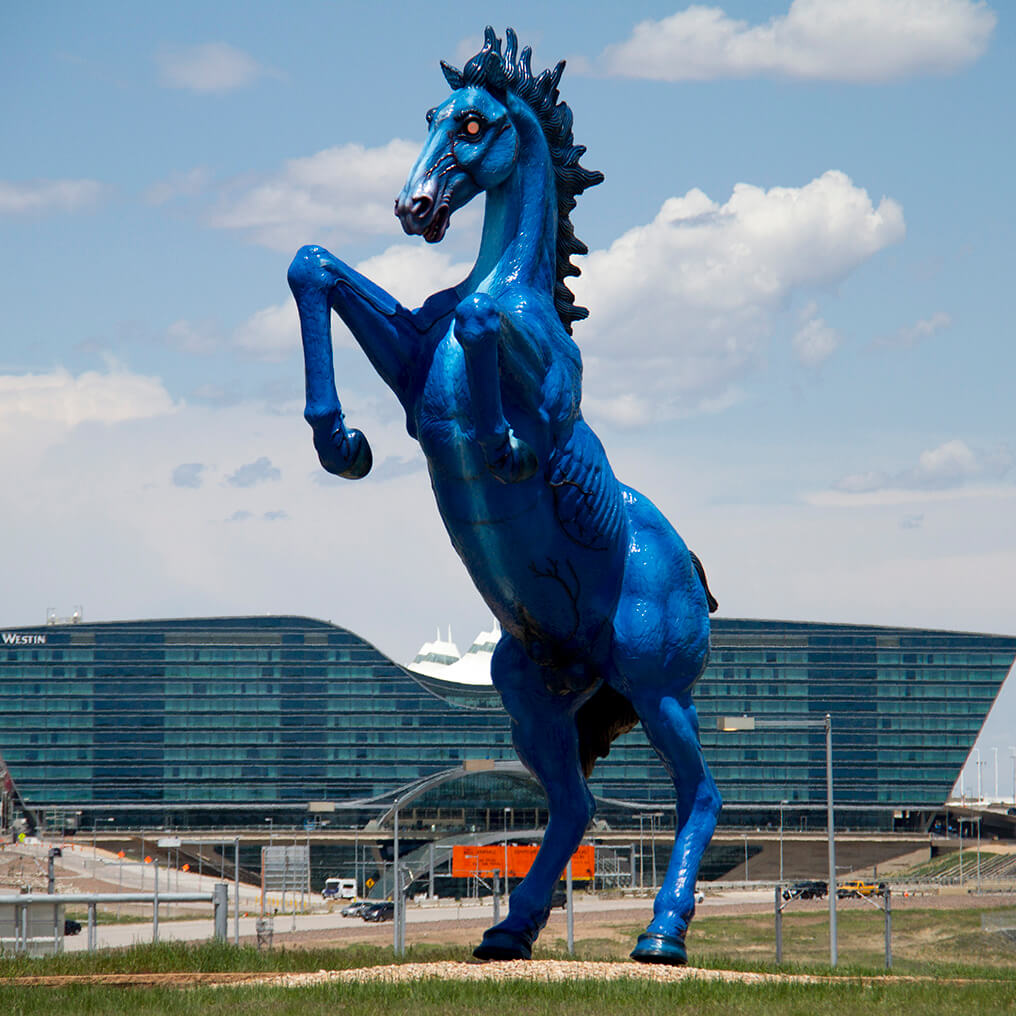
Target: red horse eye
[{"x": 472, "y": 127}]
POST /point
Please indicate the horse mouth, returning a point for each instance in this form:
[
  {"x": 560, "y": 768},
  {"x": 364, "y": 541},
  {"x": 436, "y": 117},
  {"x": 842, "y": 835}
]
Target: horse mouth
[{"x": 435, "y": 230}]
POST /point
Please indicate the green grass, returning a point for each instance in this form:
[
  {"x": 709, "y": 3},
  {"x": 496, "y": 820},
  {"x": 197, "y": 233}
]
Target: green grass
[
  {"x": 929, "y": 942},
  {"x": 578, "y": 998},
  {"x": 168, "y": 957},
  {"x": 950, "y": 863}
]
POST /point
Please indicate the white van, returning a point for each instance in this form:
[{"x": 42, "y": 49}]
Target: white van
[{"x": 339, "y": 889}]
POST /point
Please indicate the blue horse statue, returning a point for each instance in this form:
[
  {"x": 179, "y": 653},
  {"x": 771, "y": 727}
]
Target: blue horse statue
[{"x": 604, "y": 611}]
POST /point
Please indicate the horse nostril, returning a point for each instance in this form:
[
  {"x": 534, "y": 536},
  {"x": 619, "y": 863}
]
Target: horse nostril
[{"x": 421, "y": 206}]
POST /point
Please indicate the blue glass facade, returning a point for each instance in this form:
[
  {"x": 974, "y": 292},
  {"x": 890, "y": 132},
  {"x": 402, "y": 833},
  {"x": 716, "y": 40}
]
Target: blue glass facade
[{"x": 224, "y": 720}]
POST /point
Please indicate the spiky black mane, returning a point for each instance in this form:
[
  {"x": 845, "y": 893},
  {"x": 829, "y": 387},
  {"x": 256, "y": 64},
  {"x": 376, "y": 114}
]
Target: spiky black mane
[{"x": 497, "y": 72}]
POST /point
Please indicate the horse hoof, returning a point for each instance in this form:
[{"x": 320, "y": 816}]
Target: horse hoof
[
  {"x": 655, "y": 948},
  {"x": 362, "y": 458},
  {"x": 503, "y": 948},
  {"x": 344, "y": 453}
]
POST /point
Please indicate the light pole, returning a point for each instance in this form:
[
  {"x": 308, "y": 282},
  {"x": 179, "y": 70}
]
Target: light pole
[
  {"x": 641, "y": 854},
  {"x": 654, "y": 818},
  {"x": 998, "y": 796},
  {"x": 782, "y": 805},
  {"x": 506, "y": 852},
  {"x": 729, "y": 724},
  {"x": 1012, "y": 753},
  {"x": 397, "y": 902},
  {"x": 271, "y": 830},
  {"x": 978, "y": 853}
]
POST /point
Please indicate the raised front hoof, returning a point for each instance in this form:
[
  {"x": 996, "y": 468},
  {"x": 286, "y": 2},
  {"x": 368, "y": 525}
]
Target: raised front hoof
[
  {"x": 349, "y": 457},
  {"x": 654, "y": 948},
  {"x": 502, "y": 948}
]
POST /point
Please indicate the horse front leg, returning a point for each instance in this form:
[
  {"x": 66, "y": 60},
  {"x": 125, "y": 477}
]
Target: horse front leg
[
  {"x": 478, "y": 327},
  {"x": 546, "y": 739},
  {"x": 341, "y": 450}
]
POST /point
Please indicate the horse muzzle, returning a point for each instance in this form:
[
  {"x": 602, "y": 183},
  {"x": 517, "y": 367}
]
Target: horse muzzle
[{"x": 424, "y": 214}]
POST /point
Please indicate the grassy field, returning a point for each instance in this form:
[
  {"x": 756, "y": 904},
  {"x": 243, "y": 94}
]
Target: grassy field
[
  {"x": 944, "y": 963},
  {"x": 578, "y": 998}
]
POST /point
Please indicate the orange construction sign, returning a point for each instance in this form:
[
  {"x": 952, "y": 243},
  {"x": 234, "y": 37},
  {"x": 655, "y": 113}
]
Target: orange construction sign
[{"x": 467, "y": 860}]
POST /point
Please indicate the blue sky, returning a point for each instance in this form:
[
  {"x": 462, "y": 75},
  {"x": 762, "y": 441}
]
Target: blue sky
[{"x": 799, "y": 346}]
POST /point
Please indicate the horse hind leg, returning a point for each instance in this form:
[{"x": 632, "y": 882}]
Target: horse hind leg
[
  {"x": 546, "y": 739},
  {"x": 672, "y": 728},
  {"x": 660, "y": 647}
]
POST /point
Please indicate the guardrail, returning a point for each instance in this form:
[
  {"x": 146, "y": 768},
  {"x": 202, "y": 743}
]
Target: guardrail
[{"x": 24, "y": 902}]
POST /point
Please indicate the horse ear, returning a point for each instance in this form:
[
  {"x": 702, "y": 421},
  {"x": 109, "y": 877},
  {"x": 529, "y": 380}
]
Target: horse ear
[{"x": 452, "y": 76}]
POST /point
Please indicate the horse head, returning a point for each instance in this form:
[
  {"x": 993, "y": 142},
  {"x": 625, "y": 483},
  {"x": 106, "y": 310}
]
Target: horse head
[
  {"x": 471, "y": 147},
  {"x": 474, "y": 142}
]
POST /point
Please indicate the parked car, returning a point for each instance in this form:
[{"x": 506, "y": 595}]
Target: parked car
[
  {"x": 858, "y": 887},
  {"x": 72, "y": 927},
  {"x": 806, "y": 889},
  {"x": 377, "y": 912},
  {"x": 356, "y": 909}
]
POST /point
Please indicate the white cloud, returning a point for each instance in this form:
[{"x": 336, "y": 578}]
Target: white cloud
[
  {"x": 910, "y": 335},
  {"x": 860, "y": 40},
  {"x": 336, "y": 194},
  {"x": 412, "y": 272},
  {"x": 63, "y": 400},
  {"x": 681, "y": 308},
  {"x": 271, "y": 334},
  {"x": 209, "y": 67},
  {"x": 815, "y": 341},
  {"x": 949, "y": 467},
  {"x": 41, "y": 196},
  {"x": 126, "y": 541}
]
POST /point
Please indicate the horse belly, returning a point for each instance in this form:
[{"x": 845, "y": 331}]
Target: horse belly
[{"x": 554, "y": 596}]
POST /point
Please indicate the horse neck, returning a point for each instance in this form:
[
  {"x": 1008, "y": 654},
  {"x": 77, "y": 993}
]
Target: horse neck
[{"x": 520, "y": 220}]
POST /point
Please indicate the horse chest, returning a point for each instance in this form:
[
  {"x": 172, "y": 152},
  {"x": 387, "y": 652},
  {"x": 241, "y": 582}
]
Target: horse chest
[{"x": 443, "y": 410}]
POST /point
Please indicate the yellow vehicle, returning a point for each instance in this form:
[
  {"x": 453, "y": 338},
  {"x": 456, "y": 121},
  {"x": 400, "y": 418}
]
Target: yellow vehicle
[{"x": 858, "y": 887}]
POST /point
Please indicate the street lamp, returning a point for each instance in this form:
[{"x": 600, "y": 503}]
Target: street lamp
[
  {"x": 506, "y": 852},
  {"x": 728, "y": 724},
  {"x": 395, "y": 877},
  {"x": 654, "y": 817},
  {"x": 271, "y": 829},
  {"x": 782, "y": 804},
  {"x": 642, "y": 858}
]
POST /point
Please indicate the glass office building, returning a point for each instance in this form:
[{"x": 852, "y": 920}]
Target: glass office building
[{"x": 225, "y": 721}]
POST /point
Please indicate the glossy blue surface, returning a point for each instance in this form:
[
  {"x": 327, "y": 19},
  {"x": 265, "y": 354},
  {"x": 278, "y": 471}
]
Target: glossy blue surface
[{"x": 605, "y": 616}]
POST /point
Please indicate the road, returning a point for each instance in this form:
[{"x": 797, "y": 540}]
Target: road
[{"x": 113, "y": 936}]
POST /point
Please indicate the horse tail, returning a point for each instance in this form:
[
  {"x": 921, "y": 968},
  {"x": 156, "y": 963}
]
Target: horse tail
[{"x": 701, "y": 572}]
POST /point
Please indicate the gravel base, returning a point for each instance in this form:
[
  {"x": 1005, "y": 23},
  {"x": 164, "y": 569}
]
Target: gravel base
[{"x": 532, "y": 970}]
